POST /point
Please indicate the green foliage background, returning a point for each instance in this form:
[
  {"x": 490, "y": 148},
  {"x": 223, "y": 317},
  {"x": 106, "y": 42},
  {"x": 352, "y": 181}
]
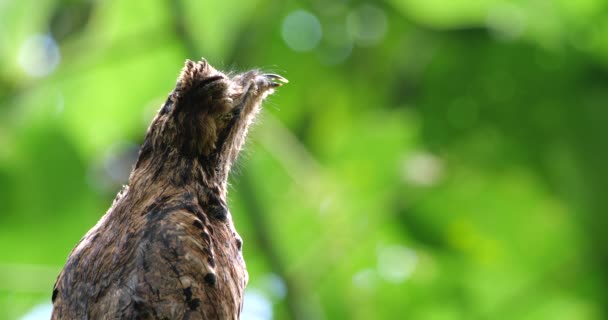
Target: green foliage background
[{"x": 452, "y": 168}]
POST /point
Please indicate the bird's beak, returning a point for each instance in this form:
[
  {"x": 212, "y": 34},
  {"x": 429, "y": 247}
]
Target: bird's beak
[{"x": 275, "y": 79}]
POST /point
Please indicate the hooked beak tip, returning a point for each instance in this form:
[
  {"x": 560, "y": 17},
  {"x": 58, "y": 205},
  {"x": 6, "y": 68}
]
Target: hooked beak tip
[{"x": 276, "y": 79}]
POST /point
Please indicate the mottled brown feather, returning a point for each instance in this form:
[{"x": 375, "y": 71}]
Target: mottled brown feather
[{"x": 167, "y": 247}]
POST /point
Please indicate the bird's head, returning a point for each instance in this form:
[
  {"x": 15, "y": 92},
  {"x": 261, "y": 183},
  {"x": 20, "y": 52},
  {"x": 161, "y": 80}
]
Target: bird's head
[{"x": 207, "y": 115}]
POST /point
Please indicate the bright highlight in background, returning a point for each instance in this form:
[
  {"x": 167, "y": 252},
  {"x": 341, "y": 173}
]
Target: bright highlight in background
[
  {"x": 39, "y": 312},
  {"x": 396, "y": 263},
  {"x": 367, "y": 25},
  {"x": 301, "y": 31},
  {"x": 256, "y": 306},
  {"x": 39, "y": 55}
]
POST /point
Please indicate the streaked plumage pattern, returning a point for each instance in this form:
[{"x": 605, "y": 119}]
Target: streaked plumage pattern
[{"x": 167, "y": 247}]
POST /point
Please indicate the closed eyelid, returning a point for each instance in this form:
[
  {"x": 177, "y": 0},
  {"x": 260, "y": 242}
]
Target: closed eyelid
[{"x": 208, "y": 81}]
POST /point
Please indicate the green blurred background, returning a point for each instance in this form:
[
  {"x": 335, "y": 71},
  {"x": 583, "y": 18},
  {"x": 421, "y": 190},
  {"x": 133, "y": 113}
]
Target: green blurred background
[{"x": 429, "y": 159}]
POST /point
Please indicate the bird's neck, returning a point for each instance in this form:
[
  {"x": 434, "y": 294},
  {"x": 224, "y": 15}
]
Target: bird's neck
[
  {"x": 168, "y": 168},
  {"x": 170, "y": 176}
]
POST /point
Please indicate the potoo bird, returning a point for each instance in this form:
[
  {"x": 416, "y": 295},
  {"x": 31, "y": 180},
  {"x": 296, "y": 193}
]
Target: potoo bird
[{"x": 167, "y": 247}]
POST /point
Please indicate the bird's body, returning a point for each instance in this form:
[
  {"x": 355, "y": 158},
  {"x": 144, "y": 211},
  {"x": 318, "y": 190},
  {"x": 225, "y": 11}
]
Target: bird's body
[{"x": 167, "y": 248}]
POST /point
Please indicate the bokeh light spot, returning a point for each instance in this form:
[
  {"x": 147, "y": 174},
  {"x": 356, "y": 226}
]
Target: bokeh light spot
[
  {"x": 39, "y": 55},
  {"x": 423, "y": 169},
  {"x": 275, "y": 285},
  {"x": 39, "y": 312},
  {"x": 119, "y": 161},
  {"x": 396, "y": 263},
  {"x": 301, "y": 31},
  {"x": 256, "y": 306},
  {"x": 367, "y": 25},
  {"x": 114, "y": 166}
]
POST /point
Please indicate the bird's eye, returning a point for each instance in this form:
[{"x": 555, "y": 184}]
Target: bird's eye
[{"x": 209, "y": 80}]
